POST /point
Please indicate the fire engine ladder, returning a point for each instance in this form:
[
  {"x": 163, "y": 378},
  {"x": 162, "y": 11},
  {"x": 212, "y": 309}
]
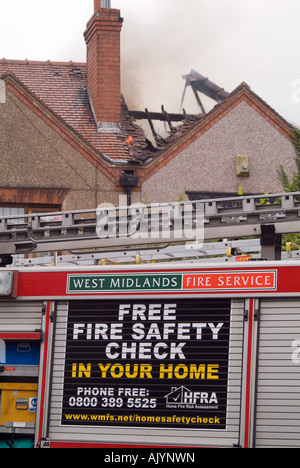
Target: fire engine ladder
[
  {"x": 215, "y": 252},
  {"x": 108, "y": 229}
]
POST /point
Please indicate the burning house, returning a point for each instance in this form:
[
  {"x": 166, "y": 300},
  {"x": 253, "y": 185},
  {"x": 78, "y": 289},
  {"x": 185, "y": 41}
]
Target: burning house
[{"x": 69, "y": 141}]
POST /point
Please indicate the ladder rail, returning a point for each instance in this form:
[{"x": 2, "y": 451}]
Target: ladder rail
[
  {"x": 110, "y": 227},
  {"x": 170, "y": 253},
  {"x": 224, "y": 251}
]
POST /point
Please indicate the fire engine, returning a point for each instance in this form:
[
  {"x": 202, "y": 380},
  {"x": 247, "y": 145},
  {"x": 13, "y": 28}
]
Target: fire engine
[{"x": 118, "y": 329}]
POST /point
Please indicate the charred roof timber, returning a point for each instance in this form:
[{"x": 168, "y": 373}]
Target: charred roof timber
[
  {"x": 162, "y": 116},
  {"x": 203, "y": 85}
]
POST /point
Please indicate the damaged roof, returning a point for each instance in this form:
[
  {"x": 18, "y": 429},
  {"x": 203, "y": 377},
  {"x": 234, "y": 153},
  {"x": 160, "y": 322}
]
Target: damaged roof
[{"x": 62, "y": 88}]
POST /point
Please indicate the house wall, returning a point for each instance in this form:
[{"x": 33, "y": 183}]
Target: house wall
[
  {"x": 37, "y": 162},
  {"x": 33, "y": 155},
  {"x": 209, "y": 164}
]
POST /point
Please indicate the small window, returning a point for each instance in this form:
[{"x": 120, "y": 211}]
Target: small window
[{"x": 12, "y": 210}]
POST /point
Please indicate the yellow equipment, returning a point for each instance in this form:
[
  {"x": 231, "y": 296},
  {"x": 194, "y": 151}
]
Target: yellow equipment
[{"x": 18, "y": 403}]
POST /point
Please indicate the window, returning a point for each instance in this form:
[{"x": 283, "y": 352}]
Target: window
[
  {"x": 12, "y": 211},
  {"x": 7, "y": 211}
]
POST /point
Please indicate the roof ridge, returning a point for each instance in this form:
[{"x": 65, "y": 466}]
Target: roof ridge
[
  {"x": 268, "y": 108},
  {"x": 41, "y": 62}
]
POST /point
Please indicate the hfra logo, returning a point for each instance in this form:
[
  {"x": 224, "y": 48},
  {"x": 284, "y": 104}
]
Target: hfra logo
[{"x": 182, "y": 397}]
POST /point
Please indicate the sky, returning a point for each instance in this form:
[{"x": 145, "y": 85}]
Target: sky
[{"x": 229, "y": 41}]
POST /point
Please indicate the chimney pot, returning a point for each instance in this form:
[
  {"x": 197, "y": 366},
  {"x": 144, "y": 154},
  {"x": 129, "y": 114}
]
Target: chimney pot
[
  {"x": 105, "y": 4},
  {"x": 98, "y": 4}
]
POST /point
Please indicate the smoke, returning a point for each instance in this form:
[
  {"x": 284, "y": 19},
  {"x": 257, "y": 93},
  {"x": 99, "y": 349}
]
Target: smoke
[
  {"x": 229, "y": 41},
  {"x": 166, "y": 42}
]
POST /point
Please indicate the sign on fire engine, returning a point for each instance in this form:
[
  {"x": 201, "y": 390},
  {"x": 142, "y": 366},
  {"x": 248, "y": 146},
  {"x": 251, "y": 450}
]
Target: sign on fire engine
[{"x": 158, "y": 363}]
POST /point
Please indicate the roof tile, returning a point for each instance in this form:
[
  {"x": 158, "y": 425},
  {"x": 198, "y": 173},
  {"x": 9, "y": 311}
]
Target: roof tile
[{"x": 62, "y": 87}]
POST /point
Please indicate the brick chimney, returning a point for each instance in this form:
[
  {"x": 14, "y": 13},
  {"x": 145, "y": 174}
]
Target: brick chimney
[{"x": 102, "y": 37}]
